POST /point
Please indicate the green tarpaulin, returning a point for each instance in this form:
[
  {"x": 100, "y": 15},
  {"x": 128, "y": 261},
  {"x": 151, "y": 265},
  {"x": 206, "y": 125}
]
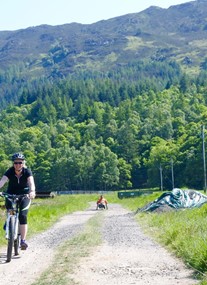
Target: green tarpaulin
[{"x": 176, "y": 199}]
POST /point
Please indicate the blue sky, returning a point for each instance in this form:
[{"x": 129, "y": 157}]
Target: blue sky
[{"x": 21, "y": 14}]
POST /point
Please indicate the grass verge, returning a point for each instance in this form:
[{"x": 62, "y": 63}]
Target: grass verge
[{"x": 183, "y": 232}]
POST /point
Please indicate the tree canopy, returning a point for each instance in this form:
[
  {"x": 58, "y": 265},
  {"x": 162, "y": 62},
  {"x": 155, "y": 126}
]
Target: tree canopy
[{"x": 112, "y": 131}]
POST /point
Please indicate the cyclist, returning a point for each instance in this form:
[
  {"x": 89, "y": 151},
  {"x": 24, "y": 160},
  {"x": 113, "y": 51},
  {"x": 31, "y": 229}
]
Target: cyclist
[
  {"x": 102, "y": 201},
  {"x": 20, "y": 181}
]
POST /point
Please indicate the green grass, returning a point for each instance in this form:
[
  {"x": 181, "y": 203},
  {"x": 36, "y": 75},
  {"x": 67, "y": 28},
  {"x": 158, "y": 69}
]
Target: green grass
[{"x": 44, "y": 212}]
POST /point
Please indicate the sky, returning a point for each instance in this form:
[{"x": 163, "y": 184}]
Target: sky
[{"x": 21, "y": 14}]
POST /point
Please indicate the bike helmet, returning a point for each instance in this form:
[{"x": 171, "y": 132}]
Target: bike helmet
[{"x": 18, "y": 155}]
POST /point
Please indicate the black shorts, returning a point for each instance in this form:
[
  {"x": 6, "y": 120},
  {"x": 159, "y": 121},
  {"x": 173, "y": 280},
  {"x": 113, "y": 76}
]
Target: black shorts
[{"x": 24, "y": 204}]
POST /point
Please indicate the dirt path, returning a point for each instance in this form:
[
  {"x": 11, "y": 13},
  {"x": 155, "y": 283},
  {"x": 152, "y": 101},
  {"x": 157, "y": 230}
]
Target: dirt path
[
  {"x": 24, "y": 269},
  {"x": 126, "y": 257}
]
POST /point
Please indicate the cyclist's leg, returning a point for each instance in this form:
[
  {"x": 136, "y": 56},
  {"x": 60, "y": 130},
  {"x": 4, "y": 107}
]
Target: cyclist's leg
[
  {"x": 23, "y": 231},
  {"x": 23, "y": 211}
]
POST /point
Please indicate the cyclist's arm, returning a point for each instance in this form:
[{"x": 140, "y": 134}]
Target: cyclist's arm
[
  {"x": 3, "y": 180},
  {"x": 31, "y": 183}
]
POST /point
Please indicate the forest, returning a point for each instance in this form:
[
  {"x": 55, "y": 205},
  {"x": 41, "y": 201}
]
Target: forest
[{"x": 119, "y": 129}]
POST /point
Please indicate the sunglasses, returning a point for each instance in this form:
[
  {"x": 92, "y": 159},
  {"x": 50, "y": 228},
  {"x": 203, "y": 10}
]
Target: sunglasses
[{"x": 18, "y": 162}]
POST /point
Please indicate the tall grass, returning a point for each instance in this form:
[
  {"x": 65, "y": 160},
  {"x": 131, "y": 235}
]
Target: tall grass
[
  {"x": 44, "y": 212},
  {"x": 183, "y": 232}
]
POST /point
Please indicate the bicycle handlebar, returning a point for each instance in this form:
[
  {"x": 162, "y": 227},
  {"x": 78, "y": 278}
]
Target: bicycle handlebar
[{"x": 13, "y": 196}]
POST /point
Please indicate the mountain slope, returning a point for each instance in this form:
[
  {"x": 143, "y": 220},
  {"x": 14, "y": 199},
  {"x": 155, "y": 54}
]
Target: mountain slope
[{"x": 177, "y": 33}]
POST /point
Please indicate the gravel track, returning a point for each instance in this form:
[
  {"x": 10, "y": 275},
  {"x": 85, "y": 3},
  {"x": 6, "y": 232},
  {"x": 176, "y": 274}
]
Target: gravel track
[
  {"x": 24, "y": 269},
  {"x": 127, "y": 256}
]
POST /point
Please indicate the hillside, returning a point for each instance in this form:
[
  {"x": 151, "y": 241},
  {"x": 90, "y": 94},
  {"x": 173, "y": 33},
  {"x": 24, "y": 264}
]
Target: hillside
[
  {"x": 178, "y": 33},
  {"x": 107, "y": 105}
]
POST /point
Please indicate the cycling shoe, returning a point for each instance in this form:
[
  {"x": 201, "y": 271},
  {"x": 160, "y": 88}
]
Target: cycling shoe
[{"x": 23, "y": 245}]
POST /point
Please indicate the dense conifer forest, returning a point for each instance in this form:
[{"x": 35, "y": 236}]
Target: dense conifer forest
[{"x": 120, "y": 129}]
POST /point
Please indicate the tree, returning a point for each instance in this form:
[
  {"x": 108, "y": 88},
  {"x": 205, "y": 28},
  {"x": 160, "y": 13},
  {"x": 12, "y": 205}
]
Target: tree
[
  {"x": 106, "y": 172},
  {"x": 161, "y": 154},
  {"x": 124, "y": 174}
]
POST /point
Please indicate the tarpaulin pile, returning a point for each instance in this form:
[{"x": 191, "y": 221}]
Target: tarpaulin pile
[{"x": 175, "y": 200}]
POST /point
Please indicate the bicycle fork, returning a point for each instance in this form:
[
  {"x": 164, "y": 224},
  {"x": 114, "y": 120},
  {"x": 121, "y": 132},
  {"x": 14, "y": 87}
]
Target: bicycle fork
[{"x": 16, "y": 225}]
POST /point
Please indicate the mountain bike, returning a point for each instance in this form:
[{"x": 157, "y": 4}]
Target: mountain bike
[{"x": 12, "y": 224}]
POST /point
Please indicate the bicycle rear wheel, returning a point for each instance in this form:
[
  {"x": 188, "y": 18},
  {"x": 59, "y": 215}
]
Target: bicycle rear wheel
[{"x": 10, "y": 239}]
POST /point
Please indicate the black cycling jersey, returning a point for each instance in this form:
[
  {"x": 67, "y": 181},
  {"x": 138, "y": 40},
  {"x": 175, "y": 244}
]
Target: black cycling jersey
[{"x": 18, "y": 185}]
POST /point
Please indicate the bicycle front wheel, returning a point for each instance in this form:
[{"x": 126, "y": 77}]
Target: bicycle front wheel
[
  {"x": 10, "y": 239},
  {"x": 17, "y": 245}
]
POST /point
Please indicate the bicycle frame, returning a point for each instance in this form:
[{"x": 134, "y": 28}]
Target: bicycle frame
[{"x": 13, "y": 212}]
